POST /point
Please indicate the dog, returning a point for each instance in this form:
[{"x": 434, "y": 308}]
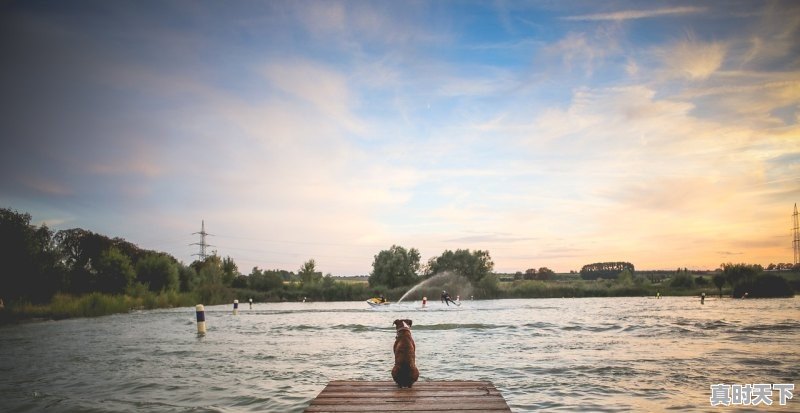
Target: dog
[{"x": 404, "y": 372}]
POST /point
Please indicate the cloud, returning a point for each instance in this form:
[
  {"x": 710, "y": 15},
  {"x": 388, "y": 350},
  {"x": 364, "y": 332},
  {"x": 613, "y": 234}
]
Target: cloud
[
  {"x": 324, "y": 89},
  {"x": 692, "y": 59},
  {"x": 637, "y": 14},
  {"x": 46, "y": 186}
]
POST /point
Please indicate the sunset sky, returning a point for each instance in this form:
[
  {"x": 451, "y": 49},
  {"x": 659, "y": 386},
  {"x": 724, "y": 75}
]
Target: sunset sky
[{"x": 550, "y": 133}]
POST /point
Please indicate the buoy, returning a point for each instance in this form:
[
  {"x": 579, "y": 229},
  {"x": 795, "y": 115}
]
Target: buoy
[
  {"x": 235, "y": 307},
  {"x": 424, "y": 301},
  {"x": 201, "y": 319}
]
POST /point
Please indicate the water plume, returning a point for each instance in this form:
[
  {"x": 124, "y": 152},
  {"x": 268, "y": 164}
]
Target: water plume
[{"x": 456, "y": 284}]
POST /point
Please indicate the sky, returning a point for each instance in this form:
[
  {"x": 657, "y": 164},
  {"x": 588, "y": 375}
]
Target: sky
[{"x": 549, "y": 133}]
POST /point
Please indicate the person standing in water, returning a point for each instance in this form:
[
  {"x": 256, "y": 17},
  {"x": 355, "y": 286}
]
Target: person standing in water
[
  {"x": 702, "y": 298},
  {"x": 446, "y": 298}
]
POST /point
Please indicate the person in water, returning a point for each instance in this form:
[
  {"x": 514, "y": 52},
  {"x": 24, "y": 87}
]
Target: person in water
[
  {"x": 702, "y": 298},
  {"x": 446, "y": 298}
]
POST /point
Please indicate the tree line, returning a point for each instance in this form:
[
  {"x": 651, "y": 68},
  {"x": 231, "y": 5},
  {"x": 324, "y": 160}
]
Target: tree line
[
  {"x": 605, "y": 270},
  {"x": 39, "y": 263}
]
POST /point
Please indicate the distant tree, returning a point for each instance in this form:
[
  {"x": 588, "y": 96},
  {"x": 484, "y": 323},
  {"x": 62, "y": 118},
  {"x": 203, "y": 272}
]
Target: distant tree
[
  {"x": 159, "y": 272},
  {"x": 265, "y": 280},
  {"x": 188, "y": 277},
  {"x": 625, "y": 278},
  {"x": 240, "y": 281},
  {"x": 545, "y": 273},
  {"x": 113, "y": 272},
  {"x": 764, "y": 286},
  {"x": 308, "y": 273},
  {"x": 473, "y": 265},
  {"x": 605, "y": 270},
  {"x": 737, "y": 274},
  {"x": 719, "y": 281},
  {"x": 530, "y": 274},
  {"x": 30, "y": 263},
  {"x": 229, "y": 270},
  {"x": 682, "y": 279},
  {"x": 395, "y": 267},
  {"x": 209, "y": 270}
]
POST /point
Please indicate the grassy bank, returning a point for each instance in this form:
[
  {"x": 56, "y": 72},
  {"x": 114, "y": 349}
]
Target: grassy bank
[
  {"x": 602, "y": 288},
  {"x": 93, "y": 305}
]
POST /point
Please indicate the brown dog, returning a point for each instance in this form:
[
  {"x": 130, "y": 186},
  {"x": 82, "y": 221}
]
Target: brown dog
[{"x": 405, "y": 371}]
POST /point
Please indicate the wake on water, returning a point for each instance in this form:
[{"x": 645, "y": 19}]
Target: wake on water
[{"x": 458, "y": 285}]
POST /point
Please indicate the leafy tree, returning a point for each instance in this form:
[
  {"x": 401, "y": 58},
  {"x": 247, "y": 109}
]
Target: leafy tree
[
  {"x": 545, "y": 273},
  {"x": 113, "y": 272},
  {"x": 229, "y": 270},
  {"x": 395, "y": 267},
  {"x": 682, "y": 279},
  {"x": 265, "y": 280},
  {"x": 209, "y": 270},
  {"x": 605, "y": 270},
  {"x": 308, "y": 273},
  {"x": 473, "y": 265},
  {"x": 719, "y": 281},
  {"x": 625, "y": 278},
  {"x": 240, "y": 281},
  {"x": 737, "y": 274},
  {"x": 530, "y": 274},
  {"x": 764, "y": 285},
  {"x": 159, "y": 272},
  {"x": 31, "y": 268},
  {"x": 187, "y": 277}
]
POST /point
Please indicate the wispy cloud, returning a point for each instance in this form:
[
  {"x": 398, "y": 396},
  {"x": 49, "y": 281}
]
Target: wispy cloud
[
  {"x": 637, "y": 14},
  {"x": 692, "y": 59}
]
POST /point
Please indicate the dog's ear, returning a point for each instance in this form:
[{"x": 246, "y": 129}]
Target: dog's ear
[
  {"x": 397, "y": 323},
  {"x": 408, "y": 322}
]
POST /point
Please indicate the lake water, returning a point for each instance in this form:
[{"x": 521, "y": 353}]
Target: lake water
[{"x": 592, "y": 354}]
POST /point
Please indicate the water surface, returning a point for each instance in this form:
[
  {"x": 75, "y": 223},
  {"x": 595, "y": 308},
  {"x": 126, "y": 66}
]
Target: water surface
[{"x": 596, "y": 354}]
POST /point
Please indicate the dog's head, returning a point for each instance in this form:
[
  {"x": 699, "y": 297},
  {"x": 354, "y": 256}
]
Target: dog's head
[{"x": 402, "y": 324}]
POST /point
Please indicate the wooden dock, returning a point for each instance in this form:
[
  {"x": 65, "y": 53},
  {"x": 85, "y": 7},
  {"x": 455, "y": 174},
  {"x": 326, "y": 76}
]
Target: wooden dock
[{"x": 424, "y": 396}]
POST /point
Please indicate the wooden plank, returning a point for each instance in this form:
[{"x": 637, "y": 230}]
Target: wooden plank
[
  {"x": 421, "y": 393},
  {"x": 432, "y": 396}
]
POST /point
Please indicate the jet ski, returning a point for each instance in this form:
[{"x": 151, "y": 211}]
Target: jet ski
[{"x": 377, "y": 302}]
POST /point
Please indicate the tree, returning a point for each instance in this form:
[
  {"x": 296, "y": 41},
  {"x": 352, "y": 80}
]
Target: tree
[
  {"x": 605, "y": 270},
  {"x": 737, "y": 274},
  {"x": 209, "y": 270},
  {"x": 545, "y": 273},
  {"x": 187, "y": 277},
  {"x": 395, "y": 267},
  {"x": 308, "y": 273},
  {"x": 159, "y": 272},
  {"x": 719, "y": 281},
  {"x": 31, "y": 268},
  {"x": 229, "y": 270},
  {"x": 113, "y": 272},
  {"x": 682, "y": 279},
  {"x": 473, "y": 265},
  {"x": 265, "y": 280}
]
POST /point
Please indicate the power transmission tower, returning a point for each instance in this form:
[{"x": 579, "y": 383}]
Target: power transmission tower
[
  {"x": 203, "y": 245},
  {"x": 796, "y": 237}
]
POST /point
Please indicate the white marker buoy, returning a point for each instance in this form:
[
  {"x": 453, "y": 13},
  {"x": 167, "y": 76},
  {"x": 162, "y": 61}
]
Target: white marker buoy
[
  {"x": 235, "y": 307},
  {"x": 201, "y": 319}
]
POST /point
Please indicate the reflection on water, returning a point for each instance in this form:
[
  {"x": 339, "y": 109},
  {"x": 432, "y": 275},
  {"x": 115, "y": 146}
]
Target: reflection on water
[{"x": 601, "y": 354}]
